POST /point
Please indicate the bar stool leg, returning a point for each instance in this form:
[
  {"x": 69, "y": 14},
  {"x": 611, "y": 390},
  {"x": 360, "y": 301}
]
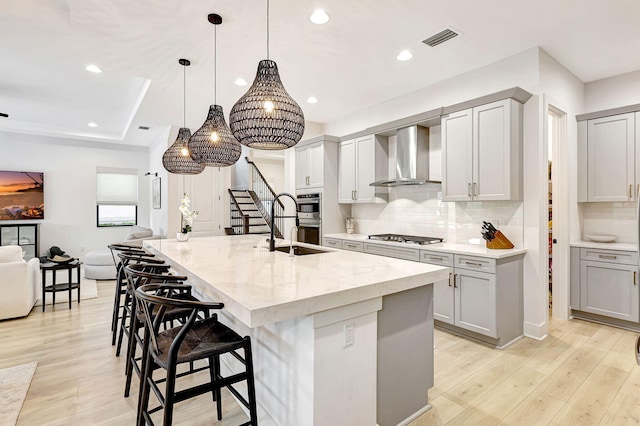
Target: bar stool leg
[
  {"x": 78, "y": 276},
  {"x": 251, "y": 388}
]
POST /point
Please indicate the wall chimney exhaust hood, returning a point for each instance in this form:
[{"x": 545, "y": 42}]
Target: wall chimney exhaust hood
[{"x": 412, "y": 158}]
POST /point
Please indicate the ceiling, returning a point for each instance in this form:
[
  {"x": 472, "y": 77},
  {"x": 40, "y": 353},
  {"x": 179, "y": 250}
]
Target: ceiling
[{"x": 348, "y": 64}]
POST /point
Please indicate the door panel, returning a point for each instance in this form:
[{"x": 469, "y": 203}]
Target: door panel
[
  {"x": 457, "y": 132},
  {"x": 475, "y": 302},
  {"x": 609, "y": 289}
]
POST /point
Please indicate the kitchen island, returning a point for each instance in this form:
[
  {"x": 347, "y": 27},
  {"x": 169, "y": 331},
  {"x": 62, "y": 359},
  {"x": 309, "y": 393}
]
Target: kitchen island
[{"x": 339, "y": 338}]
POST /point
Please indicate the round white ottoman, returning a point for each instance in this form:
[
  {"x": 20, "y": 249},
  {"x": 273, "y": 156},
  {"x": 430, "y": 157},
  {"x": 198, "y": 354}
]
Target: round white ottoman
[{"x": 98, "y": 265}]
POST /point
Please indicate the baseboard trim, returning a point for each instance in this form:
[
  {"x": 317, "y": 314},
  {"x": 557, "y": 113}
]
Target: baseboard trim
[
  {"x": 415, "y": 415},
  {"x": 535, "y": 331}
]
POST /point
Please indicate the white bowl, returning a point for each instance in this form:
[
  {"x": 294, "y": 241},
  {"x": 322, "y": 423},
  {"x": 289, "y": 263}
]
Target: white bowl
[{"x": 601, "y": 238}]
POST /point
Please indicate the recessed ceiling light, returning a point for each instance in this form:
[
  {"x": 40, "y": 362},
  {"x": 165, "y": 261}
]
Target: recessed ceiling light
[
  {"x": 319, "y": 17},
  {"x": 92, "y": 124},
  {"x": 312, "y": 100},
  {"x": 240, "y": 82},
  {"x": 93, "y": 68},
  {"x": 405, "y": 55}
]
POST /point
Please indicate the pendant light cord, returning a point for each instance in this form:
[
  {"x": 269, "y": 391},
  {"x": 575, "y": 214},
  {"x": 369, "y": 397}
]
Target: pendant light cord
[
  {"x": 184, "y": 96},
  {"x": 215, "y": 64},
  {"x": 267, "y": 29}
]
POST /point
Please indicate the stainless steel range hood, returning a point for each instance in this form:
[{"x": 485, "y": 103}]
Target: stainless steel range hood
[{"x": 412, "y": 158}]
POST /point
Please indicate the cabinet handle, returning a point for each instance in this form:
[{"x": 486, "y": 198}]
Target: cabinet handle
[
  {"x": 474, "y": 264},
  {"x": 450, "y": 279},
  {"x": 475, "y": 189},
  {"x": 607, "y": 256},
  {"x": 630, "y": 189},
  {"x": 469, "y": 189},
  {"x": 355, "y": 196},
  {"x": 454, "y": 281},
  {"x": 351, "y": 245},
  {"x": 436, "y": 258},
  {"x": 634, "y": 277}
]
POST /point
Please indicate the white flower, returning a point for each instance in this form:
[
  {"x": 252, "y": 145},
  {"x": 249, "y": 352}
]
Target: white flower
[{"x": 186, "y": 215}]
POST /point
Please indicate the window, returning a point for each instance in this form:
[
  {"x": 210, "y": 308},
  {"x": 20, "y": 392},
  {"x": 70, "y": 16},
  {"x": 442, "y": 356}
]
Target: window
[{"x": 116, "y": 197}]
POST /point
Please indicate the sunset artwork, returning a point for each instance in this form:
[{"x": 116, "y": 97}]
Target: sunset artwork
[{"x": 21, "y": 195}]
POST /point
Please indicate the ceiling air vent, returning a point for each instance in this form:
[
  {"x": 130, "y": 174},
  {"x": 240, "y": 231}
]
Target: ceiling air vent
[
  {"x": 441, "y": 37},
  {"x": 143, "y": 127}
]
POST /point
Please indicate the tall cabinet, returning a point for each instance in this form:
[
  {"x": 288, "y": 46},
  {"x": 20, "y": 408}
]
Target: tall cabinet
[
  {"x": 482, "y": 152},
  {"x": 23, "y": 235}
]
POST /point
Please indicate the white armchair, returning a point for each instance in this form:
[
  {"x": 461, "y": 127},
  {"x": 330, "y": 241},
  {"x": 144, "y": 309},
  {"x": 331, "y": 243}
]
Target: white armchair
[
  {"x": 137, "y": 235},
  {"x": 19, "y": 281}
]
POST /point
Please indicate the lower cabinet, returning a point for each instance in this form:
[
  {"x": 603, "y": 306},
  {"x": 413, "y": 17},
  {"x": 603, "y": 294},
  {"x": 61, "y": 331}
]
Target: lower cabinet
[
  {"x": 472, "y": 299},
  {"x": 605, "y": 282}
]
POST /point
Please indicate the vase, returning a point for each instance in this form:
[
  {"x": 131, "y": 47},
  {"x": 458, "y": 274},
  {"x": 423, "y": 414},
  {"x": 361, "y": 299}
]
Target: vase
[{"x": 182, "y": 237}]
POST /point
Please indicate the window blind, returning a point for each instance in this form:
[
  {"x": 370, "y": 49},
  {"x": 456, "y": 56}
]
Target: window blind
[{"x": 117, "y": 186}]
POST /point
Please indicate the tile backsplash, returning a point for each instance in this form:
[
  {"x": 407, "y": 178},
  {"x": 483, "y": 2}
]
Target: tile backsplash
[
  {"x": 617, "y": 219},
  {"x": 417, "y": 210}
]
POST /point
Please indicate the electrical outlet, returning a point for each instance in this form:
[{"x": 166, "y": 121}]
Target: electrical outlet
[{"x": 349, "y": 334}]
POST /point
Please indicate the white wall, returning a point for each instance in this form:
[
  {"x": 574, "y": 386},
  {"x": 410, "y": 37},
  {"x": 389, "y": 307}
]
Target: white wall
[
  {"x": 612, "y": 92},
  {"x": 158, "y": 218},
  {"x": 69, "y": 168}
]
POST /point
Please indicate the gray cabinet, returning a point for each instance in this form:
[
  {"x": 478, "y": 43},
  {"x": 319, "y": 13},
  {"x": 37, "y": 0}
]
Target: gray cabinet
[
  {"x": 606, "y": 283},
  {"x": 362, "y": 161},
  {"x": 390, "y": 251},
  {"x": 482, "y": 296},
  {"x": 608, "y": 164},
  {"x": 482, "y": 153}
]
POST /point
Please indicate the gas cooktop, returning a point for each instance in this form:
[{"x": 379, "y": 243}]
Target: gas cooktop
[{"x": 409, "y": 239}]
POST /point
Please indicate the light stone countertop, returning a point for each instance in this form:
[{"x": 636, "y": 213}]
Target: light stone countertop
[
  {"x": 260, "y": 287},
  {"x": 605, "y": 246},
  {"x": 456, "y": 248}
]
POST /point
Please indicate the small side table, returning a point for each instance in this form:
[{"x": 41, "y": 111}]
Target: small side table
[{"x": 54, "y": 287}]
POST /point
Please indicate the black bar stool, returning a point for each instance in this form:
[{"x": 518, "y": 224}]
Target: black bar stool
[
  {"x": 195, "y": 340},
  {"x": 115, "y": 249},
  {"x": 125, "y": 257},
  {"x": 137, "y": 275}
]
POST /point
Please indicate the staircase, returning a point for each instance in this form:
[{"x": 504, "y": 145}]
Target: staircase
[{"x": 250, "y": 209}]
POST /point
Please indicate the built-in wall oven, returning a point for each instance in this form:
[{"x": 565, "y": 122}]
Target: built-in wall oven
[{"x": 310, "y": 214}]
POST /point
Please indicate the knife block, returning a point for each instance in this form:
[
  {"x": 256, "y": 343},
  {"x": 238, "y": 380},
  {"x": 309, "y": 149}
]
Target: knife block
[{"x": 500, "y": 242}]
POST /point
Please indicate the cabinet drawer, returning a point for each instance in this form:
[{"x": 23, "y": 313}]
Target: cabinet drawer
[
  {"x": 353, "y": 245},
  {"x": 397, "y": 252},
  {"x": 475, "y": 263},
  {"x": 611, "y": 256},
  {"x": 436, "y": 258},
  {"x": 330, "y": 242}
]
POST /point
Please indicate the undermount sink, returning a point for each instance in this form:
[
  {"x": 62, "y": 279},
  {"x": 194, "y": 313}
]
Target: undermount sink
[{"x": 300, "y": 251}]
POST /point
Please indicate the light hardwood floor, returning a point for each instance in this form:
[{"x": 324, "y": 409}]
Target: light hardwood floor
[{"x": 582, "y": 374}]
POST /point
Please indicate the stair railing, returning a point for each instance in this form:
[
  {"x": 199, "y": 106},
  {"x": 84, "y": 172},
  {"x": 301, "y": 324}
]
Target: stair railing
[
  {"x": 239, "y": 221},
  {"x": 266, "y": 195}
]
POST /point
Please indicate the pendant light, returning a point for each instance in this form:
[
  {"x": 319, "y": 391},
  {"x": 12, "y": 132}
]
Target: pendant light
[
  {"x": 213, "y": 144},
  {"x": 177, "y": 159},
  {"x": 266, "y": 117}
]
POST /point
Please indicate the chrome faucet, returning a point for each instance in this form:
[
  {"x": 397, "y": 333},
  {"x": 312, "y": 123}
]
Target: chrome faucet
[{"x": 272, "y": 241}]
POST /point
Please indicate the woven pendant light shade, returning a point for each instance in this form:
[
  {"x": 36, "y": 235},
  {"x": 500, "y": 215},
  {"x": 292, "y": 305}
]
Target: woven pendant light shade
[
  {"x": 177, "y": 159},
  {"x": 213, "y": 144},
  {"x": 266, "y": 117}
]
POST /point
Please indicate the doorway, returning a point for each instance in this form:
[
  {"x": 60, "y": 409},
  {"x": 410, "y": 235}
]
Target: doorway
[{"x": 557, "y": 233}]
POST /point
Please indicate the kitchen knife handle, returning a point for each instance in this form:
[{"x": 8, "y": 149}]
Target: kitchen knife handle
[
  {"x": 450, "y": 279},
  {"x": 454, "y": 280},
  {"x": 469, "y": 189}
]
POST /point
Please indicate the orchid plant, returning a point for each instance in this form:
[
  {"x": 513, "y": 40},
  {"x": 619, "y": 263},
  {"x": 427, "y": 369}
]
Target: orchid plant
[{"x": 186, "y": 214}]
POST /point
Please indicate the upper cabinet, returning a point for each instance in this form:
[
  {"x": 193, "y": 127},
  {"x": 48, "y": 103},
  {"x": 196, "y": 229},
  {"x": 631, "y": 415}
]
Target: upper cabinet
[
  {"x": 317, "y": 163},
  {"x": 608, "y": 158},
  {"x": 482, "y": 153},
  {"x": 310, "y": 165},
  {"x": 363, "y": 160}
]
